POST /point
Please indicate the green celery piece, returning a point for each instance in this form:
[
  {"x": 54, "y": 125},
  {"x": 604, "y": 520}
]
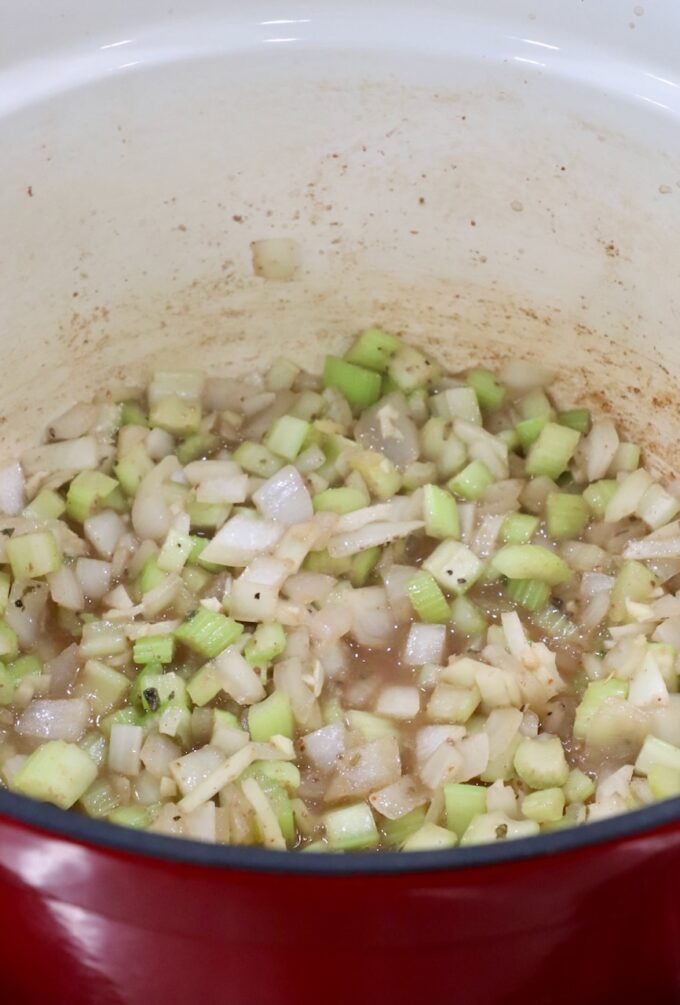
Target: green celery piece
[
  {"x": 430, "y": 837},
  {"x": 287, "y": 436},
  {"x": 466, "y": 617},
  {"x": 56, "y": 772},
  {"x": 553, "y": 622},
  {"x": 8, "y": 686},
  {"x": 257, "y": 460},
  {"x": 428, "y": 601},
  {"x": 531, "y": 561},
  {"x": 519, "y": 528},
  {"x": 528, "y": 430},
  {"x": 490, "y": 392},
  {"x": 596, "y": 692},
  {"x": 175, "y": 551},
  {"x": 282, "y": 374},
  {"x": 552, "y": 451},
  {"x": 267, "y": 642},
  {"x": 566, "y": 515},
  {"x": 151, "y": 576},
  {"x": 86, "y": 492},
  {"x": 132, "y": 414},
  {"x": 418, "y": 475},
  {"x": 463, "y": 803},
  {"x": 455, "y": 567},
  {"x": 634, "y": 582},
  {"x": 103, "y": 686},
  {"x": 205, "y": 685},
  {"x": 545, "y": 806},
  {"x": 540, "y": 762},
  {"x": 440, "y": 513},
  {"x": 598, "y": 495},
  {"x": 47, "y": 505},
  {"x": 361, "y": 387},
  {"x": 395, "y": 832},
  {"x": 529, "y": 593},
  {"x": 137, "y": 817},
  {"x": 472, "y": 482},
  {"x": 197, "y": 447},
  {"x": 578, "y": 787},
  {"x": 363, "y": 565},
  {"x": 9, "y": 644},
  {"x": 340, "y": 500},
  {"x": 372, "y": 726},
  {"x": 351, "y": 828},
  {"x": 100, "y": 799},
  {"x": 373, "y": 349},
  {"x": 271, "y": 717},
  {"x": 207, "y": 632},
  {"x": 283, "y": 773},
  {"x": 410, "y": 369},
  {"x": 657, "y": 752},
  {"x": 142, "y": 680},
  {"x": 536, "y": 403},
  {"x": 5, "y": 584},
  {"x": 308, "y": 405},
  {"x": 25, "y": 666},
  {"x": 176, "y": 415},
  {"x": 207, "y": 516},
  {"x": 664, "y": 780},
  {"x": 154, "y": 649},
  {"x": 321, "y": 561},
  {"x": 133, "y": 468},
  {"x": 198, "y": 546},
  {"x": 626, "y": 458},
  {"x": 33, "y": 555},
  {"x": 576, "y": 418},
  {"x": 381, "y": 477}
]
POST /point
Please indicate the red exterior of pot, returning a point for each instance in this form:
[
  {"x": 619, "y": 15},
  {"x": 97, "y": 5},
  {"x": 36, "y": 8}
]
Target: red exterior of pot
[{"x": 82, "y": 924}]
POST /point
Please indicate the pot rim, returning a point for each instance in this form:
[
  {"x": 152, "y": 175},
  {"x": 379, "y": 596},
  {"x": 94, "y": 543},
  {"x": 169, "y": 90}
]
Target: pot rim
[{"x": 72, "y": 826}]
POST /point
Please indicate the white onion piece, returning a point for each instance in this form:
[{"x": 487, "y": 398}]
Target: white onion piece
[
  {"x": 372, "y": 535},
  {"x": 500, "y": 798},
  {"x": 147, "y": 789},
  {"x": 396, "y": 579},
  {"x": 398, "y": 701},
  {"x": 193, "y": 768},
  {"x": 55, "y": 719},
  {"x": 324, "y": 746},
  {"x": 250, "y": 601},
  {"x": 362, "y": 770},
  {"x": 74, "y": 422},
  {"x": 71, "y": 455},
  {"x": 151, "y": 516},
  {"x": 284, "y": 497},
  {"x": 482, "y": 446},
  {"x": 474, "y": 751},
  {"x": 275, "y": 258},
  {"x": 65, "y": 589},
  {"x": 523, "y": 375},
  {"x": 444, "y": 765},
  {"x": 289, "y": 677},
  {"x": 330, "y": 623},
  {"x": 308, "y": 587},
  {"x": 241, "y": 539},
  {"x": 125, "y": 744},
  {"x": 428, "y": 738},
  {"x": 222, "y": 393},
  {"x": 12, "y": 766},
  {"x": 269, "y": 825},
  {"x": 372, "y": 620},
  {"x": 388, "y": 429},
  {"x": 157, "y": 753},
  {"x": 233, "y": 489},
  {"x": 595, "y": 582},
  {"x": 502, "y": 497},
  {"x": 267, "y": 571},
  {"x": 27, "y": 619},
  {"x": 599, "y": 447},
  {"x": 104, "y": 530},
  {"x": 501, "y": 727},
  {"x": 485, "y": 540},
  {"x": 398, "y": 799},
  {"x": 12, "y": 490},
  {"x": 239, "y": 680},
  {"x": 94, "y": 577},
  {"x": 62, "y": 670},
  {"x": 359, "y": 518},
  {"x": 653, "y": 547},
  {"x": 201, "y": 823},
  {"x": 647, "y": 687},
  {"x": 424, "y": 644},
  {"x": 159, "y": 444}
]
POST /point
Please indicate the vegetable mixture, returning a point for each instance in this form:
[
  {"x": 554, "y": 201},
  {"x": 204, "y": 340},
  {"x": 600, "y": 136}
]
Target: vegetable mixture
[{"x": 383, "y": 607}]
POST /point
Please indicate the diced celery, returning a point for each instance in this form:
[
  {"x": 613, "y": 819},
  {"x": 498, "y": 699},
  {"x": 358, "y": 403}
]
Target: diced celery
[
  {"x": 430, "y": 837},
  {"x": 536, "y": 403},
  {"x": 664, "y": 780},
  {"x": 634, "y": 582},
  {"x": 552, "y": 451},
  {"x": 205, "y": 685},
  {"x": 497, "y": 826},
  {"x": 256, "y": 459},
  {"x": 657, "y": 752},
  {"x": 100, "y": 799},
  {"x": 103, "y": 686},
  {"x": 47, "y": 505},
  {"x": 56, "y": 772},
  {"x": 440, "y": 513},
  {"x": 271, "y": 717},
  {"x": 103, "y": 638},
  {"x": 85, "y": 492},
  {"x": 657, "y": 507},
  {"x": 490, "y": 392},
  {"x": 518, "y": 528},
  {"x": 596, "y": 692},
  {"x": 545, "y": 806},
  {"x": 452, "y": 704},
  {"x": 33, "y": 555},
  {"x": 454, "y": 566},
  {"x": 531, "y": 561},
  {"x": 132, "y": 414},
  {"x": 206, "y": 516},
  {"x": 25, "y": 666},
  {"x": 472, "y": 482},
  {"x": 466, "y": 617},
  {"x": 340, "y": 500},
  {"x": 566, "y": 515},
  {"x": 363, "y": 565},
  {"x": 124, "y": 716},
  {"x": 395, "y": 832},
  {"x": 418, "y": 474},
  {"x": 665, "y": 657},
  {"x": 198, "y": 546},
  {"x": 266, "y": 643},
  {"x": 151, "y": 576},
  {"x": 372, "y": 726},
  {"x": 177, "y": 416},
  {"x": 208, "y": 632},
  {"x": 321, "y": 561},
  {"x": 154, "y": 649},
  {"x": 159, "y": 690},
  {"x": 529, "y": 593},
  {"x": 286, "y": 436},
  {"x": 598, "y": 496},
  {"x": 9, "y": 644},
  {"x": 137, "y": 817},
  {"x": 579, "y": 787},
  {"x": 7, "y": 686},
  {"x": 553, "y": 622},
  {"x": 428, "y": 600},
  {"x": 381, "y": 477},
  {"x": 463, "y": 803},
  {"x": 528, "y": 430},
  {"x": 373, "y": 349},
  {"x": 175, "y": 551},
  {"x": 283, "y": 773},
  {"x": 361, "y": 387},
  {"x": 133, "y": 468},
  {"x": 540, "y": 761},
  {"x": 308, "y": 405},
  {"x": 196, "y": 447},
  {"x": 575, "y": 418},
  {"x": 94, "y": 744},
  {"x": 143, "y": 679},
  {"x": 351, "y": 827},
  {"x": 626, "y": 458},
  {"x": 457, "y": 403},
  {"x": 410, "y": 369},
  {"x": 5, "y": 584}
]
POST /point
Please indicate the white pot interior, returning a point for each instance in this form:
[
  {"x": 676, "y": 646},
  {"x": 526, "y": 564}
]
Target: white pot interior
[{"x": 494, "y": 179}]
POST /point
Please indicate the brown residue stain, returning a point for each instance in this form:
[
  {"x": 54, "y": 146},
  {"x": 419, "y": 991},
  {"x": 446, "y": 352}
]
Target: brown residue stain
[{"x": 29, "y": 191}]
